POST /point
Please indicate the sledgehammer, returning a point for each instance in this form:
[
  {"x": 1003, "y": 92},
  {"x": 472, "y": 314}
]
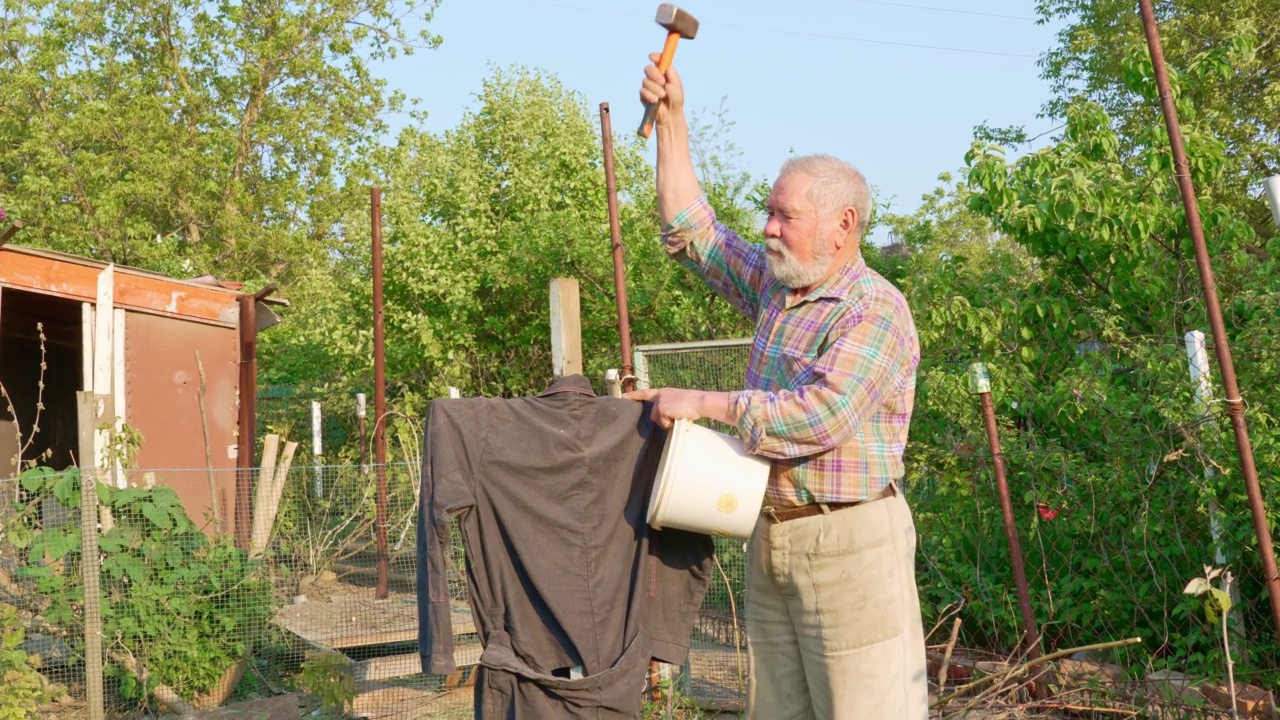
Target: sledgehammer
[{"x": 679, "y": 24}]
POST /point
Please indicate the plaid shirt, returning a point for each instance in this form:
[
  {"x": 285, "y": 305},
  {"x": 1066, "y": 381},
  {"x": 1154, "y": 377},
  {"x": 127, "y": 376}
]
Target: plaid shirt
[{"x": 832, "y": 375}]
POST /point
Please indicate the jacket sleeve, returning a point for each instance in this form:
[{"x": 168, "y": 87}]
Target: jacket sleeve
[{"x": 444, "y": 490}]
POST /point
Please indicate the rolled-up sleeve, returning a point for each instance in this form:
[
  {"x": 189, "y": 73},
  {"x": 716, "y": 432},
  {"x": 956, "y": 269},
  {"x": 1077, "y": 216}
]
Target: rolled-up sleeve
[
  {"x": 733, "y": 267},
  {"x": 838, "y": 392}
]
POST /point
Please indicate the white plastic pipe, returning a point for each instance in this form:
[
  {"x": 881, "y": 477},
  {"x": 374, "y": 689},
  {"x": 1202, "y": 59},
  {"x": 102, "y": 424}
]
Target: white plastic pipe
[{"x": 1272, "y": 186}]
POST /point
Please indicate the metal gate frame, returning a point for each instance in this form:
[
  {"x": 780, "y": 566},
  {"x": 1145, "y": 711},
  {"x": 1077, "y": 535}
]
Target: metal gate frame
[{"x": 642, "y": 353}]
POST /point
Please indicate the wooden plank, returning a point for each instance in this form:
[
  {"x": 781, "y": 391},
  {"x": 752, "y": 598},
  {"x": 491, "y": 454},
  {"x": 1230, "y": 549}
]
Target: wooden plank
[
  {"x": 10, "y": 231},
  {"x": 394, "y": 703},
  {"x": 394, "y": 666},
  {"x": 357, "y": 620},
  {"x": 86, "y": 346},
  {"x": 117, "y": 384},
  {"x": 133, "y": 290},
  {"x": 103, "y": 347},
  {"x": 91, "y": 409},
  {"x": 566, "y": 328}
]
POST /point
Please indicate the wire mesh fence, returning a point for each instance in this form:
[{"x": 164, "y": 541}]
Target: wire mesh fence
[
  {"x": 190, "y": 621},
  {"x": 1122, "y": 492}
]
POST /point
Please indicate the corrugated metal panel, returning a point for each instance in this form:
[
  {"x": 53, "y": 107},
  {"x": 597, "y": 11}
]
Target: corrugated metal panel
[{"x": 162, "y": 383}]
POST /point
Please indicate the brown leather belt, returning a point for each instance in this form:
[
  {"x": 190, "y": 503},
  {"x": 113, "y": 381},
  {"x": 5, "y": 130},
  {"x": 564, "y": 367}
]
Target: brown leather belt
[{"x": 784, "y": 514}]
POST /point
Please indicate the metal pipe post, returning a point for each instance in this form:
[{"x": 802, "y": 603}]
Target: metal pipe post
[
  {"x": 615, "y": 233},
  {"x": 1235, "y": 404},
  {"x": 379, "y": 392},
  {"x": 980, "y": 385}
]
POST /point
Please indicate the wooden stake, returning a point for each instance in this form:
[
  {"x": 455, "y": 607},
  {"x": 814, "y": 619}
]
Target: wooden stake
[
  {"x": 269, "y": 491},
  {"x": 946, "y": 656},
  {"x": 90, "y": 409},
  {"x": 566, "y": 328}
]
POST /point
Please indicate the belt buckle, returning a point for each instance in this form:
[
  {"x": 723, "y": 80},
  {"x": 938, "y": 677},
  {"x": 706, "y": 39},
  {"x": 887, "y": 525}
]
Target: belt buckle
[{"x": 770, "y": 514}]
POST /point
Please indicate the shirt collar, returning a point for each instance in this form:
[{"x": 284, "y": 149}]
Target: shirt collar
[
  {"x": 569, "y": 384},
  {"x": 837, "y": 287}
]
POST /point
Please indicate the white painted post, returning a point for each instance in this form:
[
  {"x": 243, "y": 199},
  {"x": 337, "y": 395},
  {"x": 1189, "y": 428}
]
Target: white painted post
[
  {"x": 640, "y": 362},
  {"x": 454, "y": 392},
  {"x": 317, "y": 449},
  {"x": 103, "y": 367},
  {"x": 613, "y": 382},
  {"x": 1198, "y": 360},
  {"x": 566, "y": 328},
  {"x": 1272, "y": 186},
  {"x": 118, "y": 386},
  {"x": 361, "y": 414}
]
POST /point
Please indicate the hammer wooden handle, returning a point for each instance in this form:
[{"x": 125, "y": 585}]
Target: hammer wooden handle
[{"x": 664, "y": 64}]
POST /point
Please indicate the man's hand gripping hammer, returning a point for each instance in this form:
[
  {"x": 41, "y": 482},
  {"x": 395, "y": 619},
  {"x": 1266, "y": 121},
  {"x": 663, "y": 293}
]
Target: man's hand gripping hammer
[{"x": 679, "y": 24}]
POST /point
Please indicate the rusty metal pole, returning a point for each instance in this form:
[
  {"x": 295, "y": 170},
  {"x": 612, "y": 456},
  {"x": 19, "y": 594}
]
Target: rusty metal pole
[
  {"x": 1235, "y": 404},
  {"x": 379, "y": 392},
  {"x": 248, "y": 421},
  {"x": 624, "y": 317},
  {"x": 980, "y": 385},
  {"x": 615, "y": 233}
]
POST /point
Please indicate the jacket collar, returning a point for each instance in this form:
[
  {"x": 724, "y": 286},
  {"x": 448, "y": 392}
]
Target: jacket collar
[{"x": 569, "y": 384}]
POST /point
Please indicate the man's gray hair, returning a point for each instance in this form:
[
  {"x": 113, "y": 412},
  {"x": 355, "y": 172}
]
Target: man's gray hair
[{"x": 836, "y": 185}]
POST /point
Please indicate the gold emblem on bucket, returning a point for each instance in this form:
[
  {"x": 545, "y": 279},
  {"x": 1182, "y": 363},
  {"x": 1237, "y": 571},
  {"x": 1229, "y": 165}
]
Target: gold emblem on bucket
[{"x": 727, "y": 503}]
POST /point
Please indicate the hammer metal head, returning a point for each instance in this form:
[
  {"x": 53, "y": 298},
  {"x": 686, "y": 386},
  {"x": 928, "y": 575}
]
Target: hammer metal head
[{"x": 677, "y": 21}]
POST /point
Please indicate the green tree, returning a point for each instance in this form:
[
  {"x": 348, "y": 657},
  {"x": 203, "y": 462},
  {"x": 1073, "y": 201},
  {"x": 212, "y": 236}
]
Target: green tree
[
  {"x": 1098, "y": 375},
  {"x": 477, "y": 221},
  {"x": 192, "y": 136},
  {"x": 1227, "y": 51}
]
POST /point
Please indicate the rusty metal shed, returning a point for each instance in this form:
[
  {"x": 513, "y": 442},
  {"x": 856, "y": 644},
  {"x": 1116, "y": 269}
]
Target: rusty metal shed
[{"x": 181, "y": 358}]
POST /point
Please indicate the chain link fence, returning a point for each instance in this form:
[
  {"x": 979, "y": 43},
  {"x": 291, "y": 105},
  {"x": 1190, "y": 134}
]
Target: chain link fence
[{"x": 1121, "y": 493}]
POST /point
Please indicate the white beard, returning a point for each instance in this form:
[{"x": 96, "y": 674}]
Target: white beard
[{"x": 791, "y": 272}]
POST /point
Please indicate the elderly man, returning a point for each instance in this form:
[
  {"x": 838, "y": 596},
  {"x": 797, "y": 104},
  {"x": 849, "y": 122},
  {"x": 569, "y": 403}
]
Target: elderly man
[{"x": 832, "y": 613}]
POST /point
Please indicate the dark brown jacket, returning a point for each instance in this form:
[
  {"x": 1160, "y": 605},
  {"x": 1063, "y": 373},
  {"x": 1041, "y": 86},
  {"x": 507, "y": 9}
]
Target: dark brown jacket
[{"x": 563, "y": 571}]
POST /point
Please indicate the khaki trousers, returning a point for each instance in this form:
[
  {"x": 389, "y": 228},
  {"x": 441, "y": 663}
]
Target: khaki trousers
[{"x": 833, "y": 617}]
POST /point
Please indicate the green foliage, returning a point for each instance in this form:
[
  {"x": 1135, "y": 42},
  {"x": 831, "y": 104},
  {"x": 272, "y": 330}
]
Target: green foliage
[
  {"x": 183, "y": 605},
  {"x": 478, "y": 220},
  {"x": 1222, "y": 54},
  {"x": 1070, "y": 272},
  {"x": 328, "y": 676},
  {"x": 1217, "y": 602},
  {"x": 191, "y": 136},
  {"x": 24, "y": 690}
]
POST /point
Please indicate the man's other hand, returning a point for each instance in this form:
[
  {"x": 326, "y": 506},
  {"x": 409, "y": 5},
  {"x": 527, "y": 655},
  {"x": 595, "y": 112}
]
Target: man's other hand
[{"x": 671, "y": 404}]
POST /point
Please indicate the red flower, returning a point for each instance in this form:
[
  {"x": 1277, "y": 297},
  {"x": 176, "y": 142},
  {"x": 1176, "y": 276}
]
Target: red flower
[{"x": 1046, "y": 512}]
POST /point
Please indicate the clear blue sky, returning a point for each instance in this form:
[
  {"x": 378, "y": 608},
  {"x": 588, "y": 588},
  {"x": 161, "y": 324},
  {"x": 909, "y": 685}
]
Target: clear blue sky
[{"x": 848, "y": 77}]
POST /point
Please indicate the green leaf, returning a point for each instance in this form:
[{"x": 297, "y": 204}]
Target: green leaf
[
  {"x": 34, "y": 479},
  {"x": 20, "y": 536},
  {"x": 157, "y": 515},
  {"x": 67, "y": 489},
  {"x": 1221, "y": 600}
]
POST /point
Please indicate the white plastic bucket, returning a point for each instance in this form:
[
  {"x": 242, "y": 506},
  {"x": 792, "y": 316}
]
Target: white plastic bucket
[{"x": 707, "y": 483}]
